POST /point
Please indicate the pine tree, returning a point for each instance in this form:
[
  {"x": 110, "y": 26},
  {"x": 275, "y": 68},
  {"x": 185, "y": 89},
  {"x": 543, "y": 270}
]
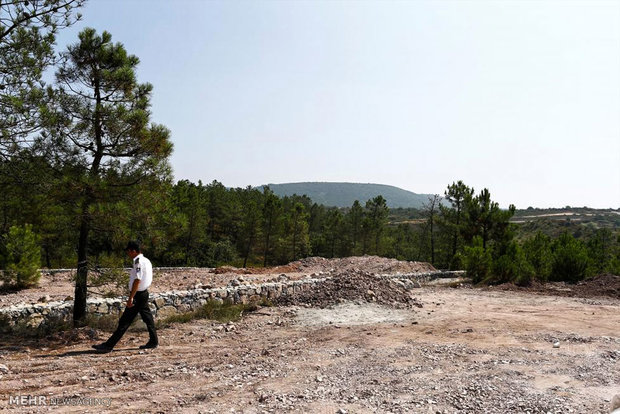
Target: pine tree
[
  {"x": 100, "y": 137},
  {"x": 27, "y": 36}
]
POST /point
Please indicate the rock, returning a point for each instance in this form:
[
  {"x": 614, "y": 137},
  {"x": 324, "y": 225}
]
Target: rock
[
  {"x": 166, "y": 311},
  {"x": 556, "y": 344},
  {"x": 615, "y": 405},
  {"x": 34, "y": 320},
  {"x": 4, "y": 369},
  {"x": 44, "y": 299}
]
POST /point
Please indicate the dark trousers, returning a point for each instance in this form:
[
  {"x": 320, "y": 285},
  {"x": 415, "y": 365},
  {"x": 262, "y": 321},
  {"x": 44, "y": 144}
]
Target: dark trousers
[{"x": 141, "y": 306}]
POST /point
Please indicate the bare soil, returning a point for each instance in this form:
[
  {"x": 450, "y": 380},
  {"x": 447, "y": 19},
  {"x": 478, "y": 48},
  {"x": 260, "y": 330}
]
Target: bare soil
[{"x": 465, "y": 350}]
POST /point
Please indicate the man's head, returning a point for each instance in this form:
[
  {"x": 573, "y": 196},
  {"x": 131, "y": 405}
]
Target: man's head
[{"x": 133, "y": 248}]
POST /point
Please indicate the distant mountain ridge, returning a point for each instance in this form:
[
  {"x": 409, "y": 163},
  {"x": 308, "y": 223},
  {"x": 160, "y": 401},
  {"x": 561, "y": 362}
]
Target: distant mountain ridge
[{"x": 344, "y": 194}]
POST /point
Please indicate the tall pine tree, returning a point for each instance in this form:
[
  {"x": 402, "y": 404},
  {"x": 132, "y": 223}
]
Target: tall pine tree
[{"x": 101, "y": 136}]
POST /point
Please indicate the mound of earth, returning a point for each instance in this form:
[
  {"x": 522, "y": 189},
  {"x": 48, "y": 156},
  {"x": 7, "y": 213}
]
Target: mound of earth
[
  {"x": 601, "y": 285},
  {"x": 370, "y": 264},
  {"x": 605, "y": 285},
  {"x": 352, "y": 286}
]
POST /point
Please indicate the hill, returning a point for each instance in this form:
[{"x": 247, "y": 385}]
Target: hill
[
  {"x": 581, "y": 222},
  {"x": 344, "y": 194}
]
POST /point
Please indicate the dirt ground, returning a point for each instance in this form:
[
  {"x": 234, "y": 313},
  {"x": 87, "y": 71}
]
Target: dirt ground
[{"x": 465, "y": 350}]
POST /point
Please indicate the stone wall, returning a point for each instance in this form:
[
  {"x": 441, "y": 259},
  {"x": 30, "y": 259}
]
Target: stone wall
[
  {"x": 177, "y": 301},
  {"x": 162, "y": 304}
]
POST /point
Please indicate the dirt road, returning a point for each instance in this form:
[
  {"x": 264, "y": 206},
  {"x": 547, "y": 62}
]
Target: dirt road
[{"x": 465, "y": 351}]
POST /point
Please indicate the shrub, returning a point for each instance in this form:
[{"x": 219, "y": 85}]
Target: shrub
[
  {"x": 512, "y": 267},
  {"x": 570, "y": 259},
  {"x": 601, "y": 251},
  {"x": 477, "y": 261},
  {"x": 457, "y": 261},
  {"x": 23, "y": 257},
  {"x": 221, "y": 253},
  {"x": 537, "y": 251}
]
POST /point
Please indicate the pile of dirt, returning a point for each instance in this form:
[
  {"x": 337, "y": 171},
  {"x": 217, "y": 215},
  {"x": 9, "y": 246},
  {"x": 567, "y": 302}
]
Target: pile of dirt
[
  {"x": 602, "y": 285},
  {"x": 605, "y": 285},
  {"x": 352, "y": 286},
  {"x": 230, "y": 269},
  {"x": 370, "y": 264}
]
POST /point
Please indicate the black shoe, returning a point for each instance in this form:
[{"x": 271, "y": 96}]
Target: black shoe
[
  {"x": 103, "y": 348},
  {"x": 149, "y": 345}
]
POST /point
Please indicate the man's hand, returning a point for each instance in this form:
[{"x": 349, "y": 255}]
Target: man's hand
[{"x": 134, "y": 289}]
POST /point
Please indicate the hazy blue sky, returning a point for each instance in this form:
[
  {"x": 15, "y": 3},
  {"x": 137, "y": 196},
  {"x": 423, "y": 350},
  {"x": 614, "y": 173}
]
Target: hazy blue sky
[{"x": 520, "y": 97}]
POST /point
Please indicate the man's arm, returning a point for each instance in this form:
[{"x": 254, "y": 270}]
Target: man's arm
[{"x": 134, "y": 289}]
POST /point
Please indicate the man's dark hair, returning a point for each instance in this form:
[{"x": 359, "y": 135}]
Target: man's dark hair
[{"x": 133, "y": 245}]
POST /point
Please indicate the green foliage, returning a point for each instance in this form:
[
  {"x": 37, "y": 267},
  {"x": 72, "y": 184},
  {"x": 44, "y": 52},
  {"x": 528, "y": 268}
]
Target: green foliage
[
  {"x": 484, "y": 218},
  {"x": 221, "y": 253},
  {"x": 187, "y": 224},
  {"x": 512, "y": 266},
  {"x": 538, "y": 254},
  {"x": 27, "y": 35},
  {"x": 376, "y": 215},
  {"x": 570, "y": 259},
  {"x": 601, "y": 251},
  {"x": 451, "y": 218},
  {"x": 477, "y": 260},
  {"x": 23, "y": 257},
  {"x": 354, "y": 220}
]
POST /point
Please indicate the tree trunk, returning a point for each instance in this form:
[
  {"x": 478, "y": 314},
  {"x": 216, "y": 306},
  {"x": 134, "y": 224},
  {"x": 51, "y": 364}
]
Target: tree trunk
[
  {"x": 247, "y": 251},
  {"x": 364, "y": 244},
  {"x": 267, "y": 242},
  {"x": 48, "y": 261},
  {"x": 432, "y": 243},
  {"x": 79, "y": 303},
  {"x": 294, "y": 240}
]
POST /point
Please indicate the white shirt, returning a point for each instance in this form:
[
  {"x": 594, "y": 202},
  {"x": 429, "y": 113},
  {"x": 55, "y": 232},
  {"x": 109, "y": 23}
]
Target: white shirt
[{"x": 143, "y": 271}]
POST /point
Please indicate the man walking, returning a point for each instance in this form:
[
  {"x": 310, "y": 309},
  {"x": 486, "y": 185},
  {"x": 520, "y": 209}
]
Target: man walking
[{"x": 139, "y": 281}]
